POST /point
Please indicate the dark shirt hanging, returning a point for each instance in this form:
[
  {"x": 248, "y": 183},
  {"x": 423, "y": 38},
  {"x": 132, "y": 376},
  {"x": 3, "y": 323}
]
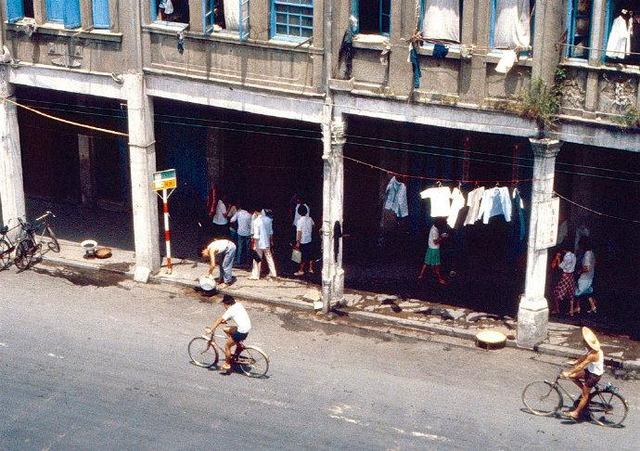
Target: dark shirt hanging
[
  {"x": 440, "y": 51},
  {"x": 346, "y": 51},
  {"x": 415, "y": 65}
]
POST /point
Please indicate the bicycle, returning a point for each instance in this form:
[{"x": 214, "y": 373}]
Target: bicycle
[
  {"x": 606, "y": 407},
  {"x": 207, "y": 350},
  {"x": 32, "y": 239},
  {"x": 7, "y": 246}
]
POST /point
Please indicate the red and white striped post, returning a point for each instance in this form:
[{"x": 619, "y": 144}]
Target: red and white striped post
[{"x": 167, "y": 232}]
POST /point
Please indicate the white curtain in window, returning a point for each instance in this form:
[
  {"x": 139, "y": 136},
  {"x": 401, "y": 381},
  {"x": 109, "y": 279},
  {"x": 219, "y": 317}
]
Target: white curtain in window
[
  {"x": 442, "y": 20},
  {"x": 232, "y": 14},
  {"x": 513, "y": 22}
]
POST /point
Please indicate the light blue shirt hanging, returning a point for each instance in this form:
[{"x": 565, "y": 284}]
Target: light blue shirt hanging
[{"x": 396, "y": 198}]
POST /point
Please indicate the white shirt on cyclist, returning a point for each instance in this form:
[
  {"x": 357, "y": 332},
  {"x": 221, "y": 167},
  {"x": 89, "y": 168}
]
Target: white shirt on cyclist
[
  {"x": 597, "y": 367},
  {"x": 237, "y": 313}
]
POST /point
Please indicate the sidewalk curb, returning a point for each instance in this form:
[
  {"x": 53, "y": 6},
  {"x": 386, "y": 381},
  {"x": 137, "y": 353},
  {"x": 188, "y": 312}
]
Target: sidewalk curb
[{"x": 544, "y": 348}]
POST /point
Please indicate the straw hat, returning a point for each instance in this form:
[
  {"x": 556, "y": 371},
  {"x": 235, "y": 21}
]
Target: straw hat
[{"x": 590, "y": 338}]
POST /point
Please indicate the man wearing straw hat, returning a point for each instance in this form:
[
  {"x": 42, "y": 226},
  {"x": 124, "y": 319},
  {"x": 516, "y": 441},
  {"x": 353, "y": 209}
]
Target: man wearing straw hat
[{"x": 587, "y": 370}]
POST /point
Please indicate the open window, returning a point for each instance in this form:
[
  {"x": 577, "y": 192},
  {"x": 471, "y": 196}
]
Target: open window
[
  {"x": 374, "y": 16},
  {"x": 292, "y": 19},
  {"x": 512, "y": 24},
  {"x": 226, "y": 15},
  {"x": 579, "y": 28},
  {"x": 66, "y": 12},
  {"x": 622, "y": 32},
  {"x": 19, "y": 9},
  {"x": 176, "y": 11},
  {"x": 441, "y": 20}
]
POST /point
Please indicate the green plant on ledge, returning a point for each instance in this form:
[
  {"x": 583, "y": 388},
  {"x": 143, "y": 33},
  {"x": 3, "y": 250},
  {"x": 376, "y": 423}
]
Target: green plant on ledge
[
  {"x": 541, "y": 103},
  {"x": 630, "y": 118}
]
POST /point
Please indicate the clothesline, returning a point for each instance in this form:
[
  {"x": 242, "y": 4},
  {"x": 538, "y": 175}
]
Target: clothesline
[
  {"x": 434, "y": 179},
  {"x": 565, "y": 44},
  {"x": 594, "y": 211}
]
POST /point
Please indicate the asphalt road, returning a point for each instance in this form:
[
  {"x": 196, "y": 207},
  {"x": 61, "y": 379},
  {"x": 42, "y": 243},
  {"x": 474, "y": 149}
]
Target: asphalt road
[{"x": 87, "y": 365}]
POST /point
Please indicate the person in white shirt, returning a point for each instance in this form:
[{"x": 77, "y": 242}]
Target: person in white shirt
[
  {"x": 587, "y": 271},
  {"x": 565, "y": 287},
  {"x": 432, "y": 257},
  {"x": 304, "y": 237},
  {"x": 243, "y": 220},
  {"x": 220, "y": 220},
  {"x": 221, "y": 251},
  {"x": 262, "y": 243},
  {"x": 235, "y": 334},
  {"x": 587, "y": 370}
]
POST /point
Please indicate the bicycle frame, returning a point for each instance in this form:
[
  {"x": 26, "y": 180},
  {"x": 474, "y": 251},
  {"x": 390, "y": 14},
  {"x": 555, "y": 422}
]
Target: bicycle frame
[{"x": 557, "y": 384}]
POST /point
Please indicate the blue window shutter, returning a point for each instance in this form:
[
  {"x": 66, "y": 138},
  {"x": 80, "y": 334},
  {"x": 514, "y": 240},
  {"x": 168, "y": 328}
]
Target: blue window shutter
[
  {"x": 55, "y": 10},
  {"x": 15, "y": 10},
  {"x": 208, "y": 18},
  {"x": 244, "y": 20},
  {"x": 72, "y": 14},
  {"x": 100, "y": 10}
]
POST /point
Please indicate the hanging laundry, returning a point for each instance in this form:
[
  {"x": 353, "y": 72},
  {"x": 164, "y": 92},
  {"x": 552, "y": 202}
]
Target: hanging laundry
[
  {"x": 440, "y": 51},
  {"x": 496, "y": 201},
  {"x": 457, "y": 203},
  {"x": 346, "y": 52},
  {"x": 415, "y": 64},
  {"x": 518, "y": 206},
  {"x": 440, "y": 198},
  {"x": 396, "y": 198},
  {"x": 441, "y": 20},
  {"x": 384, "y": 55},
  {"x": 507, "y": 61},
  {"x": 512, "y": 24},
  {"x": 168, "y": 7},
  {"x": 619, "y": 43},
  {"x": 474, "y": 201}
]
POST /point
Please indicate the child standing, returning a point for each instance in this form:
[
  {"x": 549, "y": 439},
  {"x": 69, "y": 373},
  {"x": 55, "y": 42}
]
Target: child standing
[{"x": 432, "y": 257}]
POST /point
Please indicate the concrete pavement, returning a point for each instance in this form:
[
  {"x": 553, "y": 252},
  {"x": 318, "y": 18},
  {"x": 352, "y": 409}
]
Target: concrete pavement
[{"x": 564, "y": 339}]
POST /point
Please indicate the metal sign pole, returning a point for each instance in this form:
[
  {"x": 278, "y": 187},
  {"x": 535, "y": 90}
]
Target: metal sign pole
[{"x": 167, "y": 233}]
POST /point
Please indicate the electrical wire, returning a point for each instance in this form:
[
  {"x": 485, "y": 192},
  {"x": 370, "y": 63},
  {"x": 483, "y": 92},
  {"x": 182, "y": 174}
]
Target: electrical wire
[{"x": 318, "y": 137}]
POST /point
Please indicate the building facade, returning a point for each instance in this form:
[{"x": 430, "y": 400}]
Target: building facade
[{"x": 286, "y": 92}]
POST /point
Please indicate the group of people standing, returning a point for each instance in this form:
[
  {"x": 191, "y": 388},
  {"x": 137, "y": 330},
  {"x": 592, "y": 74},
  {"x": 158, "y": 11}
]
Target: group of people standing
[
  {"x": 246, "y": 236},
  {"x": 577, "y": 270}
]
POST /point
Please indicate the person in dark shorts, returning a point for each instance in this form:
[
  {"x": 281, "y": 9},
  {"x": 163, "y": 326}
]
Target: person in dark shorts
[
  {"x": 304, "y": 238},
  {"x": 587, "y": 370},
  {"x": 235, "y": 334}
]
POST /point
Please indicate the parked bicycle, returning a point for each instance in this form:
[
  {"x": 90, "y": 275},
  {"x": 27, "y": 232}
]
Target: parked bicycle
[
  {"x": 34, "y": 236},
  {"x": 7, "y": 245},
  {"x": 606, "y": 406},
  {"x": 208, "y": 350}
]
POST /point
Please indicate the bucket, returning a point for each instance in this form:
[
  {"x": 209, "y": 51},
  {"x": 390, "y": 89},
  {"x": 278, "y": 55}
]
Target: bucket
[{"x": 207, "y": 283}]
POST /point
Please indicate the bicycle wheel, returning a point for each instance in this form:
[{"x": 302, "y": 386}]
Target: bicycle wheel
[
  {"x": 607, "y": 408},
  {"x": 202, "y": 353},
  {"x": 253, "y": 362},
  {"x": 53, "y": 244},
  {"x": 5, "y": 254},
  {"x": 542, "y": 398},
  {"x": 24, "y": 253}
]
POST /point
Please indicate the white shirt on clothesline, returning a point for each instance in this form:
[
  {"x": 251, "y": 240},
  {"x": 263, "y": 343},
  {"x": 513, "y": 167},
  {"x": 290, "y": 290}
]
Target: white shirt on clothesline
[
  {"x": 474, "y": 200},
  {"x": 440, "y": 200}
]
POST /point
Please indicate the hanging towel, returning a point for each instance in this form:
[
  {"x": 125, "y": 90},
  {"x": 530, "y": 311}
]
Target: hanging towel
[
  {"x": 168, "y": 7},
  {"x": 496, "y": 201},
  {"x": 396, "y": 198},
  {"x": 440, "y": 201},
  {"x": 440, "y": 51},
  {"x": 232, "y": 14},
  {"x": 518, "y": 205},
  {"x": 442, "y": 20},
  {"x": 346, "y": 51},
  {"x": 474, "y": 201},
  {"x": 457, "y": 203},
  {"x": 619, "y": 43},
  {"x": 507, "y": 61},
  {"x": 513, "y": 23},
  {"x": 415, "y": 65}
]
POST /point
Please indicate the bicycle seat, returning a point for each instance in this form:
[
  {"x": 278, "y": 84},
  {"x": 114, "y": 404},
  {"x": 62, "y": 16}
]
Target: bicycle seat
[{"x": 4, "y": 230}]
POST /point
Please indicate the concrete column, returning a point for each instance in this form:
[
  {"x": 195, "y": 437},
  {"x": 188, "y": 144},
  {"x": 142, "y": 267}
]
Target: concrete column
[
  {"x": 333, "y": 131},
  {"x": 533, "y": 312},
  {"x": 85, "y": 150},
  {"x": 11, "y": 182},
  {"x": 215, "y": 155},
  {"x": 142, "y": 155}
]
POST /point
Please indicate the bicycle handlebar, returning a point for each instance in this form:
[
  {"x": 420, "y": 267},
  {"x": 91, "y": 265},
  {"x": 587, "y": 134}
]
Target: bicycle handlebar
[{"x": 45, "y": 215}]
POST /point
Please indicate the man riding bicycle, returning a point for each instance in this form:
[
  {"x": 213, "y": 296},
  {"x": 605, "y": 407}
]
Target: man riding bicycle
[
  {"x": 587, "y": 370},
  {"x": 235, "y": 334}
]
